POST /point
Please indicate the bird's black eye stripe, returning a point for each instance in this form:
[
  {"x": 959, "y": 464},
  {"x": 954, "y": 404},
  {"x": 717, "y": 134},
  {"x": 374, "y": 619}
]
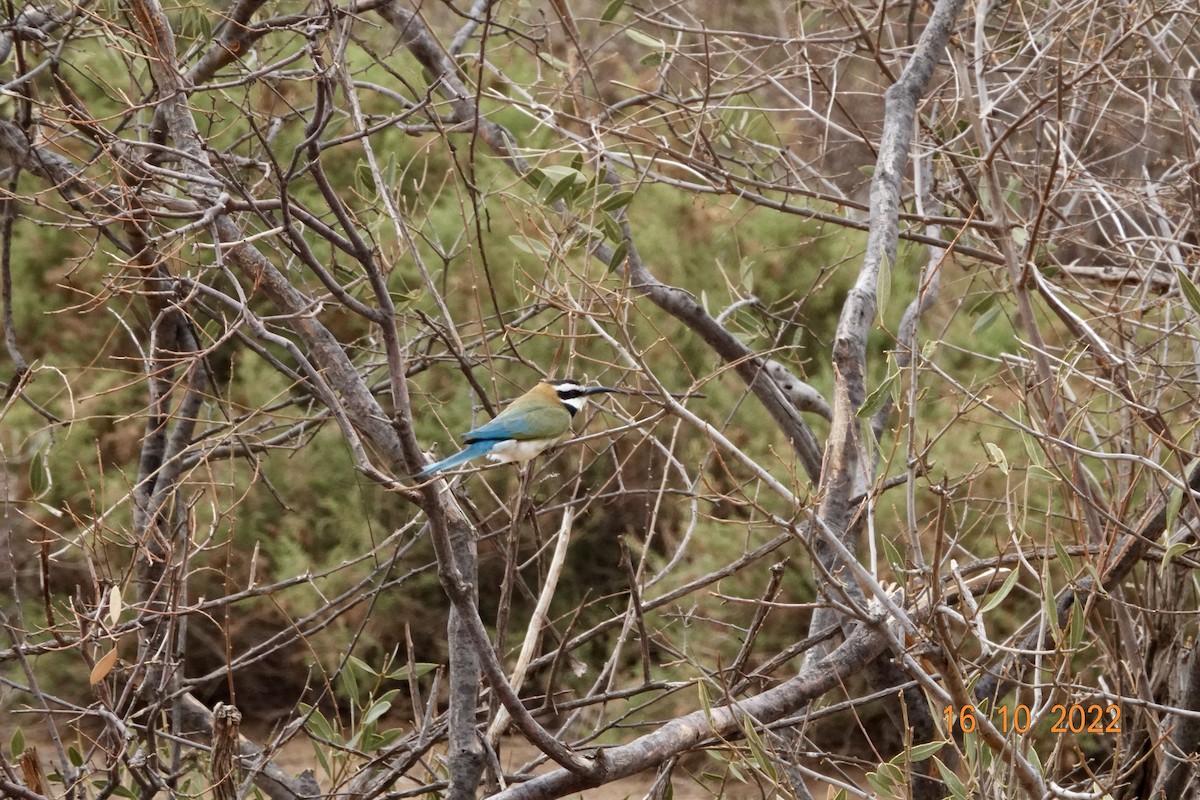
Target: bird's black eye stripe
[{"x": 570, "y": 394}]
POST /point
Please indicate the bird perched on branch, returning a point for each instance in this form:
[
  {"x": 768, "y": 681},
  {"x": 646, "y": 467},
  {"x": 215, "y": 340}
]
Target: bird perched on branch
[{"x": 529, "y": 425}]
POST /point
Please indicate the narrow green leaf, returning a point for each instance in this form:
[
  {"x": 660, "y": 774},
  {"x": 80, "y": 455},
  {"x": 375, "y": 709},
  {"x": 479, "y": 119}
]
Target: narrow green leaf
[
  {"x": 611, "y": 10},
  {"x": 891, "y": 553},
  {"x": 757, "y": 750},
  {"x": 1188, "y": 289},
  {"x": 1005, "y": 588},
  {"x": 535, "y": 177},
  {"x": 648, "y": 41},
  {"x": 876, "y": 399},
  {"x": 377, "y": 710},
  {"x": 611, "y": 228},
  {"x": 1175, "y": 499},
  {"x": 1031, "y": 449},
  {"x": 1174, "y": 551},
  {"x": 996, "y": 457},
  {"x": 617, "y": 261},
  {"x": 879, "y": 784},
  {"x": 318, "y": 725},
  {"x": 1050, "y": 610},
  {"x": 531, "y": 246},
  {"x": 922, "y": 752},
  {"x": 957, "y": 789},
  {"x": 558, "y": 190},
  {"x": 1063, "y": 556},
  {"x": 39, "y": 476},
  {"x": 618, "y": 200},
  {"x": 16, "y": 745},
  {"x": 1078, "y": 626},
  {"x": 985, "y": 320},
  {"x": 989, "y": 300},
  {"x": 421, "y": 668},
  {"x": 1042, "y": 474},
  {"x": 362, "y": 666}
]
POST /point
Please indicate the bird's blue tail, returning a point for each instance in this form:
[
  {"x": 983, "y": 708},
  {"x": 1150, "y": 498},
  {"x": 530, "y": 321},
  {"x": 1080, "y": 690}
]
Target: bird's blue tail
[{"x": 474, "y": 450}]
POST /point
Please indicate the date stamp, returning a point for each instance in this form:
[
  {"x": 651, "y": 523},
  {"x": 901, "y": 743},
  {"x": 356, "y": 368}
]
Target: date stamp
[{"x": 1064, "y": 718}]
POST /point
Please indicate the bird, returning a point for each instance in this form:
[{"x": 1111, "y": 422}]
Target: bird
[{"x": 529, "y": 425}]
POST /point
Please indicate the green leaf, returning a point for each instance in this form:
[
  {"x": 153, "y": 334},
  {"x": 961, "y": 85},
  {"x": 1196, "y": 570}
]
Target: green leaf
[
  {"x": 39, "y": 475},
  {"x": 362, "y": 666},
  {"x": 957, "y": 790},
  {"x": 1174, "y": 500},
  {"x": 891, "y": 553},
  {"x": 420, "y": 668},
  {"x": 16, "y": 745},
  {"x": 1063, "y": 556},
  {"x": 318, "y": 725},
  {"x": 618, "y": 200},
  {"x": 1005, "y": 588},
  {"x": 648, "y": 41},
  {"x": 1038, "y": 473},
  {"x": 553, "y": 62},
  {"x": 886, "y": 778},
  {"x": 1050, "y": 609},
  {"x": 996, "y": 457},
  {"x": 611, "y": 10},
  {"x": 1173, "y": 552},
  {"x": 535, "y": 177},
  {"x": 611, "y": 228},
  {"x": 617, "y": 261},
  {"x": 558, "y": 182},
  {"x": 989, "y": 300},
  {"x": 758, "y": 751},
  {"x": 558, "y": 188},
  {"x": 985, "y": 320},
  {"x": 389, "y": 737},
  {"x": 531, "y": 246},
  {"x": 1031, "y": 449},
  {"x": 377, "y": 710},
  {"x": 1189, "y": 290},
  {"x": 922, "y": 752},
  {"x": 1078, "y": 625},
  {"x": 651, "y": 59},
  {"x": 364, "y": 181},
  {"x": 876, "y": 399}
]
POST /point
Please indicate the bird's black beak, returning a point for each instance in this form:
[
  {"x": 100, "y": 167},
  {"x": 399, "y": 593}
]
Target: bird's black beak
[{"x": 591, "y": 390}]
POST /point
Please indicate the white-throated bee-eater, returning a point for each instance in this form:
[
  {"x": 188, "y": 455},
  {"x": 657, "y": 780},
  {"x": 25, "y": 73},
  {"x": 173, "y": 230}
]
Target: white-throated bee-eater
[{"x": 529, "y": 425}]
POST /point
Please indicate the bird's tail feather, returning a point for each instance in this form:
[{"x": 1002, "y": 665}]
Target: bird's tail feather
[{"x": 474, "y": 450}]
